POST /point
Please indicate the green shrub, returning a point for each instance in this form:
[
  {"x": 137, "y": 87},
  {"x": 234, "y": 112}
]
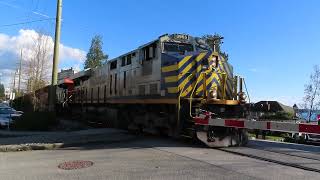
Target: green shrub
[
  {"x": 299, "y": 140},
  {"x": 281, "y": 115},
  {"x": 23, "y": 103},
  {"x": 35, "y": 121}
]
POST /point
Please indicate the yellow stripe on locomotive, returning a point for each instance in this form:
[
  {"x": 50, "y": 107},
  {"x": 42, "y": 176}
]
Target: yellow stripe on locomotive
[{"x": 201, "y": 74}]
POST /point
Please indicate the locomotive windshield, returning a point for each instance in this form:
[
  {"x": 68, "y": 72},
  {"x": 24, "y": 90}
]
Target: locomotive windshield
[{"x": 177, "y": 47}]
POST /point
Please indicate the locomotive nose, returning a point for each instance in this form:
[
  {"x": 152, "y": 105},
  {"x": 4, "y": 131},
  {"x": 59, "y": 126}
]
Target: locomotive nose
[{"x": 210, "y": 63}]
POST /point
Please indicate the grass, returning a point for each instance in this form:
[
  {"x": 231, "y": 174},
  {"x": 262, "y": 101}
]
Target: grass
[
  {"x": 268, "y": 137},
  {"x": 275, "y": 138}
]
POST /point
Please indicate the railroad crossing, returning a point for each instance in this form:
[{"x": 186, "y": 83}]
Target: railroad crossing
[{"x": 162, "y": 158}]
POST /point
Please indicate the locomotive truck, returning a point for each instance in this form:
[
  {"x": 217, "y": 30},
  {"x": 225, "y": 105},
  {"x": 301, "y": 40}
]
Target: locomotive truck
[{"x": 176, "y": 85}]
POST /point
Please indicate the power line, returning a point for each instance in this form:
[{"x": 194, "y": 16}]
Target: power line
[
  {"x": 26, "y": 22},
  {"x": 18, "y": 7}
]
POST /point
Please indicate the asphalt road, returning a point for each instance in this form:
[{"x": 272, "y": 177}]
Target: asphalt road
[
  {"x": 144, "y": 158},
  {"x": 305, "y": 157}
]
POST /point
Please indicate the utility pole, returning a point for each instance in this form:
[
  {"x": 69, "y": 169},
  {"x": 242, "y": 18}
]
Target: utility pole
[
  {"x": 52, "y": 94},
  {"x": 14, "y": 82},
  {"x": 19, "y": 73}
]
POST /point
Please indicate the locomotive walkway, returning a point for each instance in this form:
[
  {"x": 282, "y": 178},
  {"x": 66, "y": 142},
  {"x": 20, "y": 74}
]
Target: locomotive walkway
[{"x": 23, "y": 141}]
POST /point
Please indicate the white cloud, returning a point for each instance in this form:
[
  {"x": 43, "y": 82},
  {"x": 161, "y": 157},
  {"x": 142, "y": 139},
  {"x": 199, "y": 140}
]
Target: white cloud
[
  {"x": 253, "y": 69},
  {"x": 77, "y": 68},
  {"x": 71, "y": 53},
  {"x": 10, "y": 47}
]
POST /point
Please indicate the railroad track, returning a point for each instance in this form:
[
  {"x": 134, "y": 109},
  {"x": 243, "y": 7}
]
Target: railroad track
[
  {"x": 278, "y": 156},
  {"x": 290, "y": 154}
]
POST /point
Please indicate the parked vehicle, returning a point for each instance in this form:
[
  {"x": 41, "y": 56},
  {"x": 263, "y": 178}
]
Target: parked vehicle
[
  {"x": 8, "y": 115},
  {"x": 3, "y": 105},
  {"x": 4, "y": 122}
]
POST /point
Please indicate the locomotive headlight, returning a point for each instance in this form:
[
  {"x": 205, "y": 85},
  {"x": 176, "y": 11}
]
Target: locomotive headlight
[
  {"x": 213, "y": 94},
  {"x": 242, "y": 96},
  {"x": 214, "y": 62}
]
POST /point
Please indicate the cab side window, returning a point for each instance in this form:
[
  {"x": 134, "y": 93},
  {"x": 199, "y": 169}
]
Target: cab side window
[{"x": 149, "y": 52}]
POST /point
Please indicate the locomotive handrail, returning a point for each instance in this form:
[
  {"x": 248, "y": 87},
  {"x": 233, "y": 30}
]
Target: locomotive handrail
[
  {"x": 224, "y": 84},
  {"x": 191, "y": 95},
  {"x": 195, "y": 86},
  {"x": 179, "y": 99},
  {"x": 245, "y": 86}
]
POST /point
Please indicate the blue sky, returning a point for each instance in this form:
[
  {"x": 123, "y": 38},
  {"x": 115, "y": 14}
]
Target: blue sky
[{"x": 272, "y": 43}]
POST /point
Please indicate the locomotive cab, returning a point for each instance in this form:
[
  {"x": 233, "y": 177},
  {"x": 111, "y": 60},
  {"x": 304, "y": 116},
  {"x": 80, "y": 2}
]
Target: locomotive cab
[{"x": 177, "y": 48}]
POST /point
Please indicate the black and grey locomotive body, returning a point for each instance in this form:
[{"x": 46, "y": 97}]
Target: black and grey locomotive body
[{"x": 160, "y": 88}]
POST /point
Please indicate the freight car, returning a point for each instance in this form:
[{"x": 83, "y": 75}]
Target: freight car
[{"x": 160, "y": 88}]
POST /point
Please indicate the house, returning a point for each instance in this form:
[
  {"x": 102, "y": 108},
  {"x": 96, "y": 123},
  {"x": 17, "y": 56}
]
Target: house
[{"x": 270, "y": 109}]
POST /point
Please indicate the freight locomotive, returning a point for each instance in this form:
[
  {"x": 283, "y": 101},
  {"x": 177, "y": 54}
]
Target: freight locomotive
[{"x": 160, "y": 88}]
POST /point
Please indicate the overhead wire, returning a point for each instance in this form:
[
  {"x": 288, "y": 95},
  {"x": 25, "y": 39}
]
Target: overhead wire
[
  {"x": 21, "y": 8},
  {"x": 26, "y": 22}
]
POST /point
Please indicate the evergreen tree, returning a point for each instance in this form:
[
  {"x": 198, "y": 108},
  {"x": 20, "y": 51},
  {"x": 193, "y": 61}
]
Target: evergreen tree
[
  {"x": 95, "y": 56},
  {"x": 1, "y": 91}
]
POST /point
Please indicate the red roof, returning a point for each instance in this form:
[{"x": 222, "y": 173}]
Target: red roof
[{"x": 68, "y": 81}]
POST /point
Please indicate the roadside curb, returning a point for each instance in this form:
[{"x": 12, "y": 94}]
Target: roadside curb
[
  {"x": 57, "y": 145},
  {"x": 29, "y": 147}
]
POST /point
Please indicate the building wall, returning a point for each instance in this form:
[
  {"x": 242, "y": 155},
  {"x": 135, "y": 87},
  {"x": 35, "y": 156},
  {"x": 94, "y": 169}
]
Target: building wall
[{"x": 65, "y": 74}]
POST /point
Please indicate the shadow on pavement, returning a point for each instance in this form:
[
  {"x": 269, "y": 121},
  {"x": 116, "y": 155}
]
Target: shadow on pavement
[{"x": 138, "y": 142}]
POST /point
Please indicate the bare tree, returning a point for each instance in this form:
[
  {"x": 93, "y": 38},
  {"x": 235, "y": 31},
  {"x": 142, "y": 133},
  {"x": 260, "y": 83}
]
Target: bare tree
[
  {"x": 37, "y": 72},
  {"x": 36, "y": 65},
  {"x": 312, "y": 92}
]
